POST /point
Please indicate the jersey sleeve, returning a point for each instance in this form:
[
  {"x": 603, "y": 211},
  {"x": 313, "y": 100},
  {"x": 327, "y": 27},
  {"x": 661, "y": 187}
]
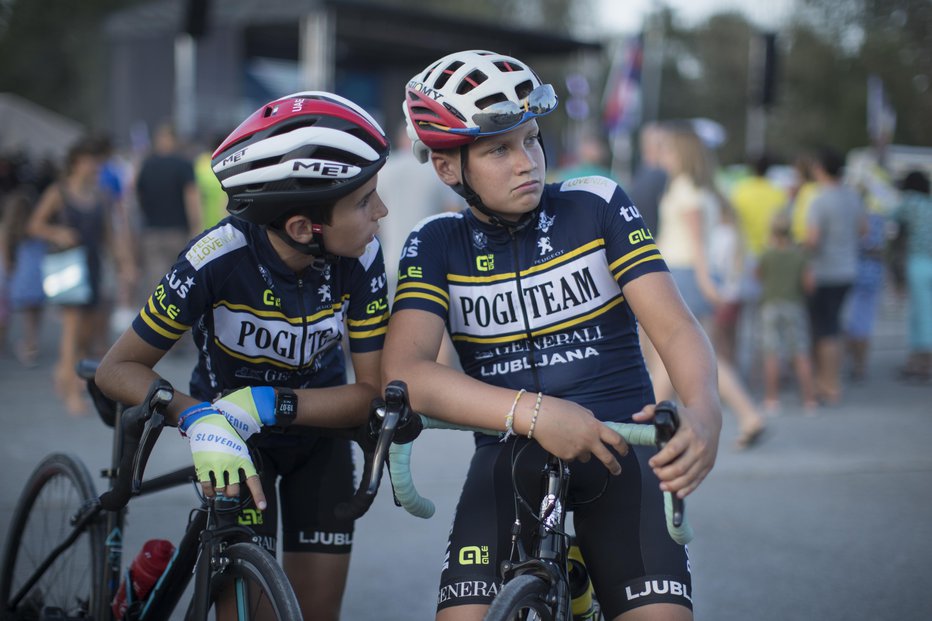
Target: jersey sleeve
[
  {"x": 422, "y": 272},
  {"x": 367, "y": 315},
  {"x": 186, "y": 291},
  {"x": 629, "y": 244}
]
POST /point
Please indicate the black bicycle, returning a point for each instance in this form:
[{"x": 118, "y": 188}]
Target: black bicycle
[
  {"x": 63, "y": 555},
  {"x": 549, "y": 583}
]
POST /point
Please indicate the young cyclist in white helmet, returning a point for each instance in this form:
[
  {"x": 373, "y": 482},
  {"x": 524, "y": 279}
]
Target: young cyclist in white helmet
[
  {"x": 541, "y": 288},
  {"x": 268, "y": 294}
]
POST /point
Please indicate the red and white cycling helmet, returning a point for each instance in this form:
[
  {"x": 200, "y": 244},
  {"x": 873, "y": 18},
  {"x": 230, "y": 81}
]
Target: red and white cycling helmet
[
  {"x": 305, "y": 150},
  {"x": 470, "y": 94}
]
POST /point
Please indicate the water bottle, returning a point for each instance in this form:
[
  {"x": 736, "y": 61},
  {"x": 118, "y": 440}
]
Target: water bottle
[
  {"x": 583, "y": 605},
  {"x": 143, "y": 573}
]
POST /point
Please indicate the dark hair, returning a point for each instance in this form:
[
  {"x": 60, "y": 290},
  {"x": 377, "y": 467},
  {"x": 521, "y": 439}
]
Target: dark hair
[
  {"x": 17, "y": 208},
  {"x": 761, "y": 164},
  {"x": 915, "y": 181},
  {"x": 831, "y": 161},
  {"x": 87, "y": 145}
]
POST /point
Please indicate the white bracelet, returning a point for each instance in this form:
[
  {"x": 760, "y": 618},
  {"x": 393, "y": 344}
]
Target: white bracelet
[{"x": 510, "y": 419}]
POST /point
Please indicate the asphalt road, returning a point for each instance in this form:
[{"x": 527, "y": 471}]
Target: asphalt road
[{"x": 828, "y": 518}]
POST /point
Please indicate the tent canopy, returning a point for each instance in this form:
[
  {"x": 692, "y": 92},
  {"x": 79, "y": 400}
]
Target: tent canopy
[{"x": 37, "y": 132}]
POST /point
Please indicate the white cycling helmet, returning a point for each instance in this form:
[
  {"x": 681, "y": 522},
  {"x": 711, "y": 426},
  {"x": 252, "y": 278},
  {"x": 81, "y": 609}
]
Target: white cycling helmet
[
  {"x": 301, "y": 151},
  {"x": 470, "y": 94}
]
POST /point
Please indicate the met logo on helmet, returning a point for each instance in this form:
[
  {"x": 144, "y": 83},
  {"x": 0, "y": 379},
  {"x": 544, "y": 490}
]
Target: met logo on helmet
[{"x": 323, "y": 169}]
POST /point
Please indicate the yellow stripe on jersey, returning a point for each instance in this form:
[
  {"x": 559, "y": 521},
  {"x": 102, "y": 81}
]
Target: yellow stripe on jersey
[
  {"x": 548, "y": 330},
  {"x": 653, "y": 257},
  {"x": 151, "y": 323},
  {"x": 367, "y": 322},
  {"x": 368, "y": 333},
  {"x": 423, "y": 296},
  {"x": 162, "y": 318},
  {"x": 423, "y": 285},
  {"x": 563, "y": 258},
  {"x": 634, "y": 253},
  {"x": 297, "y": 321}
]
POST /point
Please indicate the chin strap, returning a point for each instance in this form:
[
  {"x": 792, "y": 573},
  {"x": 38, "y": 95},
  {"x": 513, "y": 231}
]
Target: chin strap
[{"x": 315, "y": 248}]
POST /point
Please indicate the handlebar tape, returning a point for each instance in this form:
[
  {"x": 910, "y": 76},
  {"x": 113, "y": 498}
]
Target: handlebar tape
[{"x": 415, "y": 504}]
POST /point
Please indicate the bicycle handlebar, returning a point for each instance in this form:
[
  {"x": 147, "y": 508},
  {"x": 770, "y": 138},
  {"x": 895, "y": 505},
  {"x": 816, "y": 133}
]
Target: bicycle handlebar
[
  {"x": 387, "y": 420},
  {"x": 657, "y": 434},
  {"x": 140, "y": 427}
]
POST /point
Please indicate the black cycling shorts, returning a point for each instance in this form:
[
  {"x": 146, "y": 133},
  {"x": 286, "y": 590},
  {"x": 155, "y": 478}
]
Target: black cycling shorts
[
  {"x": 621, "y": 533},
  {"x": 306, "y": 475}
]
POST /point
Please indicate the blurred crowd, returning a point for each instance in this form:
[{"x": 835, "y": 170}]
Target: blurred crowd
[
  {"x": 129, "y": 213},
  {"x": 784, "y": 264}
]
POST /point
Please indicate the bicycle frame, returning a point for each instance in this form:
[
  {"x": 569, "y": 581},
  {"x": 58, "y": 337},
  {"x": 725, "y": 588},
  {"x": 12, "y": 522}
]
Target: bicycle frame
[{"x": 550, "y": 556}]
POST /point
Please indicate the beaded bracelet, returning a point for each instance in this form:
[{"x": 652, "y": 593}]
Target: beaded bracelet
[
  {"x": 510, "y": 419},
  {"x": 530, "y": 432},
  {"x": 195, "y": 411}
]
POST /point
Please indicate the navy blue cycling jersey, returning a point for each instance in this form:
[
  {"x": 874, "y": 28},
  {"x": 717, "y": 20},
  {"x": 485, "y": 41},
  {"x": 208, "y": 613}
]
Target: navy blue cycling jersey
[
  {"x": 541, "y": 309},
  {"x": 255, "y": 321}
]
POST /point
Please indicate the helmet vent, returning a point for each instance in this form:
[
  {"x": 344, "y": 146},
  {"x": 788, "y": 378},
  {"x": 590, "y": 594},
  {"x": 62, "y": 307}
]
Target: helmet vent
[
  {"x": 445, "y": 75},
  {"x": 269, "y": 111},
  {"x": 524, "y": 89},
  {"x": 471, "y": 81},
  {"x": 485, "y": 102},
  {"x": 507, "y": 67}
]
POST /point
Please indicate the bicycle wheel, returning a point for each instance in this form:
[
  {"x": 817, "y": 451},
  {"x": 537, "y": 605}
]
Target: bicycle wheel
[
  {"x": 253, "y": 585},
  {"x": 523, "y": 597},
  {"x": 69, "y": 587}
]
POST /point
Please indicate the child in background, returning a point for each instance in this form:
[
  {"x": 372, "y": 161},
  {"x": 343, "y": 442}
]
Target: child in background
[
  {"x": 785, "y": 281},
  {"x": 22, "y": 264}
]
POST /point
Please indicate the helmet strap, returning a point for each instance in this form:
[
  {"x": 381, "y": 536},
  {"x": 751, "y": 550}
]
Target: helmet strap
[{"x": 314, "y": 248}]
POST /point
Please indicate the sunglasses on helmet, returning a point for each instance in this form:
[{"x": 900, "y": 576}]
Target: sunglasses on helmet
[{"x": 506, "y": 115}]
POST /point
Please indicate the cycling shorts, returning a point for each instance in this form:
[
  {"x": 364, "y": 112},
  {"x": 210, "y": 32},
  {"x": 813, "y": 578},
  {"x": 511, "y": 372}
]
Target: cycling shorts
[
  {"x": 304, "y": 475},
  {"x": 621, "y": 531}
]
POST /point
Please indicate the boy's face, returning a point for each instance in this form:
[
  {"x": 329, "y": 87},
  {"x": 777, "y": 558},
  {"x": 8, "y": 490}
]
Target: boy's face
[
  {"x": 507, "y": 170},
  {"x": 355, "y": 221}
]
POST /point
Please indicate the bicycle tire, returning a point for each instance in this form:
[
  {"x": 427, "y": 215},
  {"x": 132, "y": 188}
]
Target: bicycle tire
[
  {"x": 55, "y": 491},
  {"x": 252, "y": 566},
  {"x": 521, "y": 598}
]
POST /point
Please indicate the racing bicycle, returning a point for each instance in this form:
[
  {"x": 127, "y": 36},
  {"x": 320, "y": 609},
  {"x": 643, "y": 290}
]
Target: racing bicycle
[
  {"x": 63, "y": 555},
  {"x": 549, "y": 583}
]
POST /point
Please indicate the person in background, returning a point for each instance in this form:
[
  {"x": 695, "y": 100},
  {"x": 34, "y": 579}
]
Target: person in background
[
  {"x": 757, "y": 200},
  {"x": 914, "y": 217},
  {"x": 690, "y": 210},
  {"x": 835, "y": 223},
  {"x": 169, "y": 205},
  {"x": 213, "y": 198},
  {"x": 589, "y": 157},
  {"x": 806, "y": 190},
  {"x": 785, "y": 280},
  {"x": 75, "y": 211},
  {"x": 650, "y": 179},
  {"x": 864, "y": 298},
  {"x": 22, "y": 264}
]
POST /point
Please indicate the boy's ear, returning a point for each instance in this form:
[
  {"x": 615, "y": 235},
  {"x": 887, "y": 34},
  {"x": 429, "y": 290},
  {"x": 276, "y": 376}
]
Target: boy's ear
[
  {"x": 300, "y": 228},
  {"x": 447, "y": 167}
]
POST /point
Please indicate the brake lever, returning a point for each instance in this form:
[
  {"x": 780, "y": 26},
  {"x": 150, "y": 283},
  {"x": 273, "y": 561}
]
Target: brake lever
[{"x": 666, "y": 422}]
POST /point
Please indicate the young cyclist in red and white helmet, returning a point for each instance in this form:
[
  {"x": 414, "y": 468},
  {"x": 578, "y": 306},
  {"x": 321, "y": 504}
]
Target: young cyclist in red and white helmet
[
  {"x": 541, "y": 288},
  {"x": 268, "y": 294}
]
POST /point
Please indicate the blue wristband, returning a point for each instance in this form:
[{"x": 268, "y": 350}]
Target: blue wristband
[{"x": 264, "y": 398}]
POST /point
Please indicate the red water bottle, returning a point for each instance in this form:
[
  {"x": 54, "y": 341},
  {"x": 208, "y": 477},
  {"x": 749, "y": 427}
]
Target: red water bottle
[{"x": 143, "y": 573}]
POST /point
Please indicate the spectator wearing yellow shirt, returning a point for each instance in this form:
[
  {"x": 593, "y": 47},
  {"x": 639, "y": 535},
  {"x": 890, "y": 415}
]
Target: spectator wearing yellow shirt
[
  {"x": 805, "y": 193},
  {"x": 757, "y": 200}
]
